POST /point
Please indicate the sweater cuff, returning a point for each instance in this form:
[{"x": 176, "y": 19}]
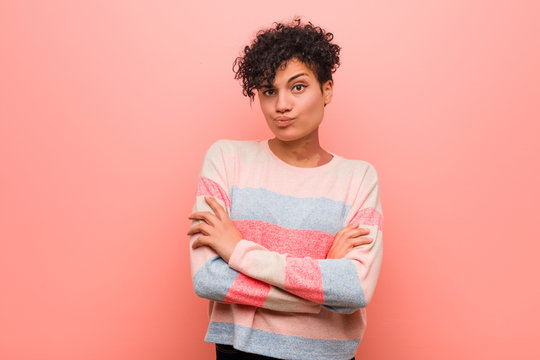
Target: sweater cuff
[{"x": 238, "y": 259}]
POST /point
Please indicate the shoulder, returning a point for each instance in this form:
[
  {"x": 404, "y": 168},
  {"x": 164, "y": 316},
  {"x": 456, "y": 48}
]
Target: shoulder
[
  {"x": 361, "y": 169},
  {"x": 232, "y": 146},
  {"x": 232, "y": 149},
  {"x": 362, "y": 180}
]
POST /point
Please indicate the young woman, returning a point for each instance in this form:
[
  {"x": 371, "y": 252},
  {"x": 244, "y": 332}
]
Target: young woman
[{"x": 286, "y": 238}]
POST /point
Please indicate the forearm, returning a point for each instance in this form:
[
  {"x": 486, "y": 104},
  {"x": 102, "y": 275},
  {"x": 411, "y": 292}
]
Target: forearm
[
  {"x": 215, "y": 280},
  {"x": 212, "y": 278},
  {"x": 341, "y": 285}
]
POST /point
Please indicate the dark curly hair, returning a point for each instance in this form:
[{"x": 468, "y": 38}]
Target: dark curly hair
[{"x": 272, "y": 47}]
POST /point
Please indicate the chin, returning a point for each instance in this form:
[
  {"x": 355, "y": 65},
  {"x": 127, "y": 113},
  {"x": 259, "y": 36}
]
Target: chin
[
  {"x": 287, "y": 138},
  {"x": 292, "y": 134},
  {"x": 285, "y": 134}
]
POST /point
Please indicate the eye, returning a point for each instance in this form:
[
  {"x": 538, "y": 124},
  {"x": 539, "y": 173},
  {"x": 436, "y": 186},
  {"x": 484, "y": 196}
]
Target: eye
[
  {"x": 269, "y": 92},
  {"x": 299, "y": 87}
]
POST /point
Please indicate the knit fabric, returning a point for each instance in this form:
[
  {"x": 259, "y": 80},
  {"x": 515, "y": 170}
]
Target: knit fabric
[{"x": 279, "y": 296}]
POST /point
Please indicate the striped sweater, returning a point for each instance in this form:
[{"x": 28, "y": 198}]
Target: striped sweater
[{"x": 279, "y": 296}]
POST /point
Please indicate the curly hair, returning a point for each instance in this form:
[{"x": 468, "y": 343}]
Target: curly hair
[{"x": 272, "y": 47}]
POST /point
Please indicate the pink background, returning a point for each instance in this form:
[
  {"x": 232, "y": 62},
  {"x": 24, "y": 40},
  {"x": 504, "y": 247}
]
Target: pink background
[{"x": 107, "y": 108}]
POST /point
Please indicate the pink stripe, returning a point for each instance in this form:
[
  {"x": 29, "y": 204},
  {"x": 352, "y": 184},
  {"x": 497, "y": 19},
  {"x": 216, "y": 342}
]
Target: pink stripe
[
  {"x": 298, "y": 243},
  {"x": 208, "y": 187},
  {"x": 303, "y": 278},
  {"x": 368, "y": 216},
  {"x": 325, "y": 325},
  {"x": 246, "y": 290}
]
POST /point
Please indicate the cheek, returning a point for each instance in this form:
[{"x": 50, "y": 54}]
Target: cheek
[
  {"x": 313, "y": 103},
  {"x": 265, "y": 108}
]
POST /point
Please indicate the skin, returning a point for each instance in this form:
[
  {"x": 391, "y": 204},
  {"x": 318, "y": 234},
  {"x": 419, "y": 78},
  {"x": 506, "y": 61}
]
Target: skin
[
  {"x": 295, "y": 95},
  {"x": 217, "y": 230}
]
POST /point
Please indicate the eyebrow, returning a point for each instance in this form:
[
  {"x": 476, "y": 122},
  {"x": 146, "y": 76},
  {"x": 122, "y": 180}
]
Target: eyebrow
[
  {"x": 268, "y": 86},
  {"x": 295, "y": 76}
]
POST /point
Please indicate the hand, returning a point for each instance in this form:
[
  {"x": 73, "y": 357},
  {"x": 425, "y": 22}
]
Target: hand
[
  {"x": 346, "y": 239},
  {"x": 217, "y": 230}
]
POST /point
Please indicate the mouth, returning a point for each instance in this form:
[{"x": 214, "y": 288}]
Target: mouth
[{"x": 283, "y": 121}]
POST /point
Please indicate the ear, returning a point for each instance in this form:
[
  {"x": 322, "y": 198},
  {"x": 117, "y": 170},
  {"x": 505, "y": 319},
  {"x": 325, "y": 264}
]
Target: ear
[{"x": 327, "y": 90}]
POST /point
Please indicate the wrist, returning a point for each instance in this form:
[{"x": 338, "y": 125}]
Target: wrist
[{"x": 229, "y": 250}]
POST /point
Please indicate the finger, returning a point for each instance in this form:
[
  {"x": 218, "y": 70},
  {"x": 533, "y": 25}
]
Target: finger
[
  {"x": 200, "y": 241},
  {"x": 345, "y": 229},
  {"x": 359, "y": 232},
  {"x": 362, "y": 241},
  {"x": 366, "y": 230},
  {"x": 207, "y": 216},
  {"x": 352, "y": 233},
  {"x": 193, "y": 230},
  {"x": 350, "y": 226},
  {"x": 203, "y": 228},
  {"x": 216, "y": 206}
]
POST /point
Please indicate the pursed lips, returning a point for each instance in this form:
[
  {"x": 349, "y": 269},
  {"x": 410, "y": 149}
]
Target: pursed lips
[{"x": 283, "y": 120}]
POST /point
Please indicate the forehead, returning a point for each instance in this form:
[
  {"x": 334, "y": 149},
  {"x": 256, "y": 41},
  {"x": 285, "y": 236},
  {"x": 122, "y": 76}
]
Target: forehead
[{"x": 291, "y": 68}]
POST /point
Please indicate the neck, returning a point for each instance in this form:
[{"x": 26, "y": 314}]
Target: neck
[{"x": 301, "y": 152}]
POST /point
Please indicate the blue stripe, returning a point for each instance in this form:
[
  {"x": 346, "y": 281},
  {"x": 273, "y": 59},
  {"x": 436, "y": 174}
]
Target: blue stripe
[
  {"x": 343, "y": 292},
  {"x": 214, "y": 279},
  {"x": 279, "y": 346},
  {"x": 320, "y": 214}
]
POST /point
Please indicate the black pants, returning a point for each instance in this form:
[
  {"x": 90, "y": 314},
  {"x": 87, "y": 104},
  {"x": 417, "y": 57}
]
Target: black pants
[{"x": 227, "y": 352}]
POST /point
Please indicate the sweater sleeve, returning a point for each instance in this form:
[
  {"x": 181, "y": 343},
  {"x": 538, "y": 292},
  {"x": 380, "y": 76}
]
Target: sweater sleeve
[
  {"x": 340, "y": 285},
  {"x": 212, "y": 277}
]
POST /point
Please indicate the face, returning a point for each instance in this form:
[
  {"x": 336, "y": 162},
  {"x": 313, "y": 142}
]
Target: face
[{"x": 294, "y": 104}]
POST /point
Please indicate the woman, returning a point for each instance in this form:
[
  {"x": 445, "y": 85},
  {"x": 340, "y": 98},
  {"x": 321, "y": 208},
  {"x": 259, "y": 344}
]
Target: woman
[{"x": 279, "y": 239}]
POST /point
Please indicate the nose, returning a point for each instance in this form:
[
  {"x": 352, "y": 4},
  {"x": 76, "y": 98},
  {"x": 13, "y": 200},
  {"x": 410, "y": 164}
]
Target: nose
[{"x": 283, "y": 102}]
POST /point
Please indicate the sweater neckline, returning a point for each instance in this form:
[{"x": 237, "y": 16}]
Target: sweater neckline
[{"x": 328, "y": 165}]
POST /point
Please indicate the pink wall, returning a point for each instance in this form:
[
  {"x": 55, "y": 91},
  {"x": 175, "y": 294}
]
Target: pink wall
[{"x": 107, "y": 107}]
